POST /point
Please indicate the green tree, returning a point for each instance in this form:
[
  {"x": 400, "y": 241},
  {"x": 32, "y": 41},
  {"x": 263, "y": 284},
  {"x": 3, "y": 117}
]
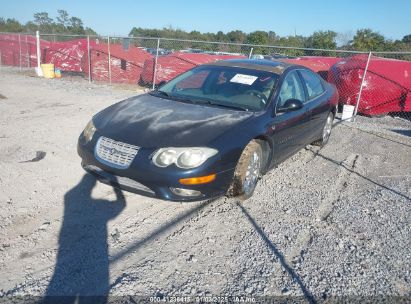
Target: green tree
[
  {"x": 291, "y": 41},
  {"x": 221, "y": 37},
  {"x": 322, "y": 40},
  {"x": 10, "y": 25},
  {"x": 42, "y": 19},
  {"x": 31, "y": 27},
  {"x": 272, "y": 38},
  {"x": 196, "y": 35},
  {"x": 44, "y": 23},
  {"x": 210, "y": 36},
  {"x": 63, "y": 18},
  {"x": 368, "y": 40},
  {"x": 257, "y": 37},
  {"x": 90, "y": 31},
  {"x": 76, "y": 26},
  {"x": 260, "y": 38},
  {"x": 236, "y": 36},
  {"x": 141, "y": 32},
  {"x": 406, "y": 39}
]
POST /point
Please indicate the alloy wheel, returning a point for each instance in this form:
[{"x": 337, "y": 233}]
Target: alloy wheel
[
  {"x": 327, "y": 128},
  {"x": 252, "y": 174}
]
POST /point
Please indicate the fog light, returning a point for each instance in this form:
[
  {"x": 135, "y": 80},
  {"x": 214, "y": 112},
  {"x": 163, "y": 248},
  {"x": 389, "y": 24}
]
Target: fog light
[{"x": 185, "y": 192}]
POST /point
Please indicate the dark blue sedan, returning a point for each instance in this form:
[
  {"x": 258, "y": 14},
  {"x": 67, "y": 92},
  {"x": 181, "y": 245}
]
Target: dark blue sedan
[{"x": 211, "y": 131}]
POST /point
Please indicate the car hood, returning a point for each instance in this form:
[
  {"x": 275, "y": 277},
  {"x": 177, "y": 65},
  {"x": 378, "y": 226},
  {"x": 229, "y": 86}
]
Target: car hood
[{"x": 150, "y": 121}]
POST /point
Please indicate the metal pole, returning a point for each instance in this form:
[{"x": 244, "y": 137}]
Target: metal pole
[
  {"x": 251, "y": 53},
  {"x": 362, "y": 83},
  {"x": 109, "y": 59},
  {"x": 27, "y": 53},
  {"x": 38, "y": 50},
  {"x": 20, "y": 52},
  {"x": 155, "y": 65},
  {"x": 89, "y": 59}
]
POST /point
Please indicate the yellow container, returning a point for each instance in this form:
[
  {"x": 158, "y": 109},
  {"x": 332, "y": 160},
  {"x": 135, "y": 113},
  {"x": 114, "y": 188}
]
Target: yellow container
[{"x": 48, "y": 70}]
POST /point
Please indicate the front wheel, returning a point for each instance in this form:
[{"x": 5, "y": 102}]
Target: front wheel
[
  {"x": 326, "y": 131},
  {"x": 247, "y": 172}
]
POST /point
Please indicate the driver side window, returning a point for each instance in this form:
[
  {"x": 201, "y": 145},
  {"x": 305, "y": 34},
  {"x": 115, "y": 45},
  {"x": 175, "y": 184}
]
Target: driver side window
[{"x": 291, "y": 88}]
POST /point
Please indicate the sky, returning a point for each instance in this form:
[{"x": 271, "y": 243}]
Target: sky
[{"x": 285, "y": 17}]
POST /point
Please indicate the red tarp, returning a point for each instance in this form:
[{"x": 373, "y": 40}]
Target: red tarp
[
  {"x": 21, "y": 53},
  {"x": 172, "y": 65},
  {"x": 66, "y": 55},
  {"x": 126, "y": 65},
  {"x": 319, "y": 64},
  {"x": 387, "y": 85}
]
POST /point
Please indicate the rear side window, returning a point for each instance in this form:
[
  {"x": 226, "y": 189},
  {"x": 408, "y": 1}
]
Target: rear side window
[{"x": 313, "y": 84}]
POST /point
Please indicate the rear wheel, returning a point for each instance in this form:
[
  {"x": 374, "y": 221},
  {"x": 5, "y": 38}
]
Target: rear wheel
[
  {"x": 326, "y": 131},
  {"x": 247, "y": 172}
]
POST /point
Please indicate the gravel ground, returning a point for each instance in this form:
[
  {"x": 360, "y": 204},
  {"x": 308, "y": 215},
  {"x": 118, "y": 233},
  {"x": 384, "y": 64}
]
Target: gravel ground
[{"x": 330, "y": 223}]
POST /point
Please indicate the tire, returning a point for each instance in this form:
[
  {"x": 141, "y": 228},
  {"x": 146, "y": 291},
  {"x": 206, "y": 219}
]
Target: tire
[
  {"x": 247, "y": 171},
  {"x": 326, "y": 131}
]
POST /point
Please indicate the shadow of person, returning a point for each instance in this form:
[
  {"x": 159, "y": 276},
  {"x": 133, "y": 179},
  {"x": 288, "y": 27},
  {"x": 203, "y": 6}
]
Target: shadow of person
[{"x": 81, "y": 273}]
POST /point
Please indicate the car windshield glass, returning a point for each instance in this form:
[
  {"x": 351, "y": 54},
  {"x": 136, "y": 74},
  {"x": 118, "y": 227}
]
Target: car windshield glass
[{"x": 230, "y": 87}]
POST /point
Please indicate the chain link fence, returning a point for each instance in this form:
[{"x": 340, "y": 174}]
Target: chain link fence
[
  {"x": 373, "y": 84},
  {"x": 18, "y": 50}
]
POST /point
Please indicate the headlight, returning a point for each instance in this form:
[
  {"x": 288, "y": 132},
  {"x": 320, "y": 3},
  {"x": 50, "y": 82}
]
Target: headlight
[
  {"x": 89, "y": 131},
  {"x": 185, "y": 158}
]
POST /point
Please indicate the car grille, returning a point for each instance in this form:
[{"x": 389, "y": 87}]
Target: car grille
[{"x": 115, "y": 153}]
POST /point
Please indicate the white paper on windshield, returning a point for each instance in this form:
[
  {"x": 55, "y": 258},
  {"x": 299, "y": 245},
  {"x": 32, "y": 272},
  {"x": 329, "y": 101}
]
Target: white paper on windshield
[{"x": 244, "y": 79}]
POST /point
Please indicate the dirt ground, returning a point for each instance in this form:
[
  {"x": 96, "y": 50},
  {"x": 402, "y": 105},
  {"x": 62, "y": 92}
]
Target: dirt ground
[{"x": 328, "y": 223}]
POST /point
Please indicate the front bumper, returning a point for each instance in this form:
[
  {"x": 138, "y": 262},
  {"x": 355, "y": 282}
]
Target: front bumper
[{"x": 144, "y": 178}]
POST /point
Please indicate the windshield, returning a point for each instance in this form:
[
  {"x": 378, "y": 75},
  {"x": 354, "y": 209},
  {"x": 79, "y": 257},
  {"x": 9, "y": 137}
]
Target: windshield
[{"x": 231, "y": 87}]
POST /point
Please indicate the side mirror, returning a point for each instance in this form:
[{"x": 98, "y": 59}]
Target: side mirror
[
  {"x": 290, "y": 105},
  {"x": 162, "y": 83}
]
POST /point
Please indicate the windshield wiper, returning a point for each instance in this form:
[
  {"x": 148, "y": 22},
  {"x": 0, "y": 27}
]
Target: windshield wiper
[
  {"x": 226, "y": 105},
  {"x": 161, "y": 93},
  {"x": 173, "y": 97}
]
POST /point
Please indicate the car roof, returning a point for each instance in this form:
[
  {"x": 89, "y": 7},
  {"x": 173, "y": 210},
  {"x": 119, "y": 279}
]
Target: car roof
[{"x": 276, "y": 67}]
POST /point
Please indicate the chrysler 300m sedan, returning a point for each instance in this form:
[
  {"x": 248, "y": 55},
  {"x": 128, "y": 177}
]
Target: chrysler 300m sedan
[{"x": 213, "y": 130}]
